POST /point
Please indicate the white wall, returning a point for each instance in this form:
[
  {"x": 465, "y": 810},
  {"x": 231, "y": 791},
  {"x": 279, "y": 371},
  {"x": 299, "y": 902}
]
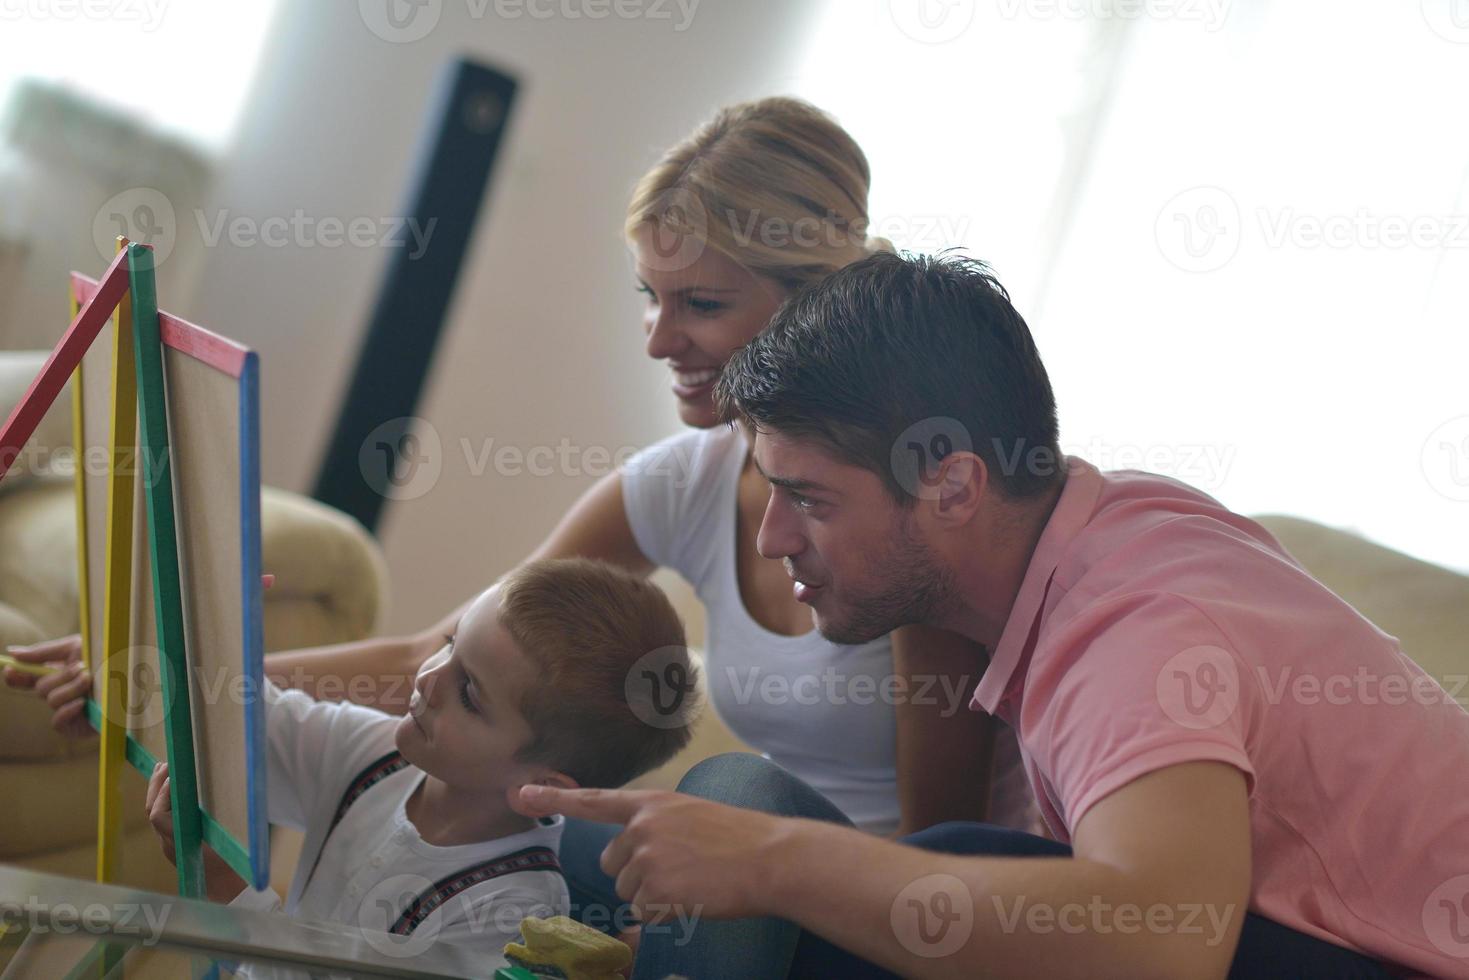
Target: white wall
[
  {"x": 1239, "y": 230},
  {"x": 544, "y": 340}
]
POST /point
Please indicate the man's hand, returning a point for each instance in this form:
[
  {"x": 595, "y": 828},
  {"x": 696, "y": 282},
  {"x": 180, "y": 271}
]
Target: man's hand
[
  {"x": 677, "y": 851},
  {"x": 65, "y": 690},
  {"x": 1176, "y": 839}
]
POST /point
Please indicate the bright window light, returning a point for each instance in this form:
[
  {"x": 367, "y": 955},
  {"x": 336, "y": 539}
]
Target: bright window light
[
  {"x": 184, "y": 66},
  {"x": 1240, "y": 231}
]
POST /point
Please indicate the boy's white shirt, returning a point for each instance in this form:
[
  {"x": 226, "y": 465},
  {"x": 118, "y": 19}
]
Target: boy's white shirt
[{"x": 375, "y": 862}]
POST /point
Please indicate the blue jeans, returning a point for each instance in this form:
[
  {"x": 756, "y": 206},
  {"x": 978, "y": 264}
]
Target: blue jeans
[{"x": 739, "y": 949}]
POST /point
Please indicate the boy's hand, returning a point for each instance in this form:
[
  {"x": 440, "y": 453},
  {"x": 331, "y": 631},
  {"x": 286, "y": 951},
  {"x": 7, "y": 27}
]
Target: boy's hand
[
  {"x": 159, "y": 807},
  {"x": 65, "y": 690},
  {"x": 220, "y": 881}
]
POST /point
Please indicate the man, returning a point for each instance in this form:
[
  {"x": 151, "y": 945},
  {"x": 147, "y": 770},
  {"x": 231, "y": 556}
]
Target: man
[{"x": 1145, "y": 643}]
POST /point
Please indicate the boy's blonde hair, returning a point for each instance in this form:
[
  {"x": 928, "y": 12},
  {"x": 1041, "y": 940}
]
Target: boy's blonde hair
[
  {"x": 775, "y": 184},
  {"x": 591, "y": 629}
]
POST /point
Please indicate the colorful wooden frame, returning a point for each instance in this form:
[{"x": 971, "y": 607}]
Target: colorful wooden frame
[
  {"x": 107, "y": 403},
  {"x": 86, "y": 323},
  {"x": 181, "y": 639},
  {"x": 212, "y": 387}
]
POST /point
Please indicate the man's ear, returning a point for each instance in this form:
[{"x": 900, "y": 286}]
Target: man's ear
[
  {"x": 546, "y": 777},
  {"x": 958, "y": 489}
]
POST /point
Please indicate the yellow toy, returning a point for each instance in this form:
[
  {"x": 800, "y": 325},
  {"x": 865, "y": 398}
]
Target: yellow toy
[{"x": 562, "y": 947}]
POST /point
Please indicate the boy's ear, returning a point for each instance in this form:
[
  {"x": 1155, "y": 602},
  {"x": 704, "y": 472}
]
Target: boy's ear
[{"x": 545, "y": 778}]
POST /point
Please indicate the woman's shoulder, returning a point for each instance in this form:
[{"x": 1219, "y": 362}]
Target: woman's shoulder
[{"x": 679, "y": 498}]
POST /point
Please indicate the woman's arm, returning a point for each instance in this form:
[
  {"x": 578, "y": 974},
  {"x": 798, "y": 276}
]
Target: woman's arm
[
  {"x": 945, "y": 751},
  {"x": 376, "y": 672},
  {"x": 379, "y": 672}
]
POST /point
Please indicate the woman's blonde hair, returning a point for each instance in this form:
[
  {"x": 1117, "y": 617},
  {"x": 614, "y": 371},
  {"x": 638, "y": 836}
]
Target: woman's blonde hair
[{"x": 775, "y": 184}]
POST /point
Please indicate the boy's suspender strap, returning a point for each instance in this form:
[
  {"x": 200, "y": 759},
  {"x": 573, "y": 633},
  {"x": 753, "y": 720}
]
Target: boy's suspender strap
[
  {"x": 421, "y": 907},
  {"x": 376, "y": 771},
  {"x": 527, "y": 859}
]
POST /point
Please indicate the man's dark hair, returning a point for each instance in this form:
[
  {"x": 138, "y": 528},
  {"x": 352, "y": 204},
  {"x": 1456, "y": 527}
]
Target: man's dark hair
[{"x": 903, "y": 345}]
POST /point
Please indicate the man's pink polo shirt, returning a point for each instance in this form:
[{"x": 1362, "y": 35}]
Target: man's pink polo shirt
[{"x": 1155, "y": 627}]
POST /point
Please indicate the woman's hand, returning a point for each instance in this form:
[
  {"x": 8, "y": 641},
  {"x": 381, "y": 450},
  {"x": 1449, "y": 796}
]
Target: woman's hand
[{"x": 65, "y": 689}]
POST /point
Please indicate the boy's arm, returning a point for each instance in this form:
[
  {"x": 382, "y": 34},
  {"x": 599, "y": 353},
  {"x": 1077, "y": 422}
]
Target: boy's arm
[
  {"x": 377, "y": 672},
  {"x": 1158, "y": 886}
]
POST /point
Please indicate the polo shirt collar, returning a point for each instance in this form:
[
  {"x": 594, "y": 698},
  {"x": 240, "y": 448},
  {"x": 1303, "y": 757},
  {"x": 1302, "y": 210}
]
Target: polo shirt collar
[{"x": 1074, "y": 509}]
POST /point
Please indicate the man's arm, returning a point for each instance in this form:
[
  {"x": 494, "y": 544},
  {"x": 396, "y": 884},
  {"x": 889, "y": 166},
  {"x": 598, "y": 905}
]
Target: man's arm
[
  {"x": 1158, "y": 886},
  {"x": 946, "y": 752}
]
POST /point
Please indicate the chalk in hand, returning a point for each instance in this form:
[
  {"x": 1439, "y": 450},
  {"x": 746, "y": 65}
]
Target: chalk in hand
[{"x": 39, "y": 670}]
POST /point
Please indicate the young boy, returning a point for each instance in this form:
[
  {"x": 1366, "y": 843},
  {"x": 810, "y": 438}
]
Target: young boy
[{"x": 413, "y": 824}]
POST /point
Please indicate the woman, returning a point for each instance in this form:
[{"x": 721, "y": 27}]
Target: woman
[{"x": 765, "y": 198}]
